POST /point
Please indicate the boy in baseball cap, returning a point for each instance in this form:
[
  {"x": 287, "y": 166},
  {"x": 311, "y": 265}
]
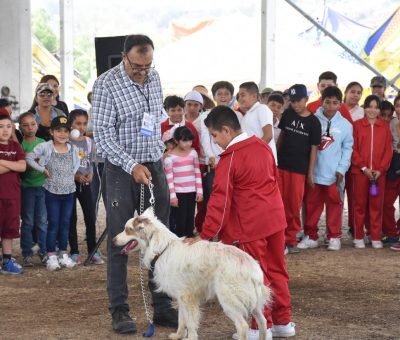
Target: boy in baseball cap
[
  {"x": 297, "y": 150},
  {"x": 378, "y": 86}
]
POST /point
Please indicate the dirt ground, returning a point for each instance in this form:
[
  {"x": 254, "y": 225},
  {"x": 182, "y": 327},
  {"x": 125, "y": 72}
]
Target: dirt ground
[{"x": 350, "y": 294}]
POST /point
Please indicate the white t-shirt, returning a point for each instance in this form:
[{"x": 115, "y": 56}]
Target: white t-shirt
[
  {"x": 357, "y": 112},
  {"x": 255, "y": 119}
]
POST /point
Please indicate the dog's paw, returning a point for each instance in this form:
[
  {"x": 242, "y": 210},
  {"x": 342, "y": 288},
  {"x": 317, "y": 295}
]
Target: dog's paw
[{"x": 175, "y": 336}]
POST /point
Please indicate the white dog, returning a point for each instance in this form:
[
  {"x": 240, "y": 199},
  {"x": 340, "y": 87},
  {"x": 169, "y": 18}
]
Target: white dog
[{"x": 192, "y": 274}]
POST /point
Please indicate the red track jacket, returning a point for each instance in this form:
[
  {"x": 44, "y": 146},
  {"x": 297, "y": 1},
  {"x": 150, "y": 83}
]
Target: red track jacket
[
  {"x": 245, "y": 204},
  {"x": 372, "y": 146}
]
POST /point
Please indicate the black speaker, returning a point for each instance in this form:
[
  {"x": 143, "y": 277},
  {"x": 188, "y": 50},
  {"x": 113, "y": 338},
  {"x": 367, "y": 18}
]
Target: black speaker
[{"x": 108, "y": 52}]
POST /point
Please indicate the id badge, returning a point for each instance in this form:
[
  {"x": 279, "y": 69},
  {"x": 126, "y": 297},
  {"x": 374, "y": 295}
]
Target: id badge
[{"x": 147, "y": 125}]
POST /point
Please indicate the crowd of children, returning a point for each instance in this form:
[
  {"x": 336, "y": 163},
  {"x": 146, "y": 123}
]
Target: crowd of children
[{"x": 323, "y": 150}]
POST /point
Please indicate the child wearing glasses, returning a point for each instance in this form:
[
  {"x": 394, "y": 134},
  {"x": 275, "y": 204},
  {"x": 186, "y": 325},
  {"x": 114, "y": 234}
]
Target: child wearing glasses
[{"x": 33, "y": 207}]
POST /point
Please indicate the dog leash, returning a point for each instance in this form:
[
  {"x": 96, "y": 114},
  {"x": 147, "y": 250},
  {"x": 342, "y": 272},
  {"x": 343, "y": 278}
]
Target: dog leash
[{"x": 152, "y": 201}]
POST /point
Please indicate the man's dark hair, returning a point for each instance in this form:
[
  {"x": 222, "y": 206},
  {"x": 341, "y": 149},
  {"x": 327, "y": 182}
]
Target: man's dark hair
[
  {"x": 183, "y": 133},
  {"x": 371, "y": 98},
  {"x": 275, "y": 97},
  {"x": 328, "y": 75},
  {"x": 22, "y": 116},
  {"x": 222, "y": 116},
  {"x": 386, "y": 105},
  {"x": 76, "y": 113},
  {"x": 250, "y": 86},
  {"x": 138, "y": 40},
  {"x": 173, "y": 101},
  {"x": 332, "y": 91},
  {"x": 4, "y": 103},
  {"x": 222, "y": 85}
]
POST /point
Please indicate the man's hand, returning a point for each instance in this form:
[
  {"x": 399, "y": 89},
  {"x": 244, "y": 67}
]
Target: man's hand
[
  {"x": 141, "y": 174},
  {"x": 339, "y": 178},
  {"x": 310, "y": 180},
  {"x": 192, "y": 240},
  {"x": 174, "y": 204}
]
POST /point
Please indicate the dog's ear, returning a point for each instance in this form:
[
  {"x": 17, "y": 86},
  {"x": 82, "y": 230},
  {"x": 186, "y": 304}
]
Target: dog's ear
[{"x": 149, "y": 212}]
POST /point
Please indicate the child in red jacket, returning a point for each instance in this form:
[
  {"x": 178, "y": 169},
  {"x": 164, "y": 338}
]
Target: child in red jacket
[
  {"x": 372, "y": 153},
  {"x": 246, "y": 210}
]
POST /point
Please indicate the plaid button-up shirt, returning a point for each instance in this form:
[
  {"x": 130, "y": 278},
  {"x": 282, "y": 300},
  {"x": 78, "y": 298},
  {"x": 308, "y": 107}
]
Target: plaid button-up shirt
[{"x": 118, "y": 108}]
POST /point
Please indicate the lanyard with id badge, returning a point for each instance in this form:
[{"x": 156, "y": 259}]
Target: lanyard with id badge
[{"x": 147, "y": 127}]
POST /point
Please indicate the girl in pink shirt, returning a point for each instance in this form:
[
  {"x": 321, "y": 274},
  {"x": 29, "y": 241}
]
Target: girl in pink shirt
[{"x": 184, "y": 180}]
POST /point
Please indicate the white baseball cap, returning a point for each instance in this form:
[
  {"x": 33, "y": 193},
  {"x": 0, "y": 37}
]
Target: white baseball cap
[{"x": 195, "y": 96}]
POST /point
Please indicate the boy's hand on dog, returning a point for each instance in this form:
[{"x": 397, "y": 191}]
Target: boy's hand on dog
[
  {"x": 141, "y": 174},
  {"x": 192, "y": 240}
]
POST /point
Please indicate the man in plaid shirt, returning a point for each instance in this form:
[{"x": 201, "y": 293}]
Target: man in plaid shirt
[{"x": 127, "y": 112}]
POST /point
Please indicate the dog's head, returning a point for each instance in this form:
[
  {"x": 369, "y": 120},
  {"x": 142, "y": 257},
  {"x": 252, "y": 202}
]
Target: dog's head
[{"x": 137, "y": 232}]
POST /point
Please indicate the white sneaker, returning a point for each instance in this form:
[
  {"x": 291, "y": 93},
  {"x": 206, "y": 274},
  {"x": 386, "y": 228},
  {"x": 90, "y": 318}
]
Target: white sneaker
[
  {"x": 307, "y": 243},
  {"x": 334, "y": 244},
  {"x": 253, "y": 334},
  {"x": 377, "y": 244},
  {"x": 66, "y": 261},
  {"x": 52, "y": 263},
  {"x": 359, "y": 244},
  {"x": 284, "y": 331}
]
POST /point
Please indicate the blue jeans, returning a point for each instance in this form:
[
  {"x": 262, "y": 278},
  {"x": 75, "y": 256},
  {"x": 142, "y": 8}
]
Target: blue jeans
[
  {"x": 59, "y": 210},
  {"x": 33, "y": 213}
]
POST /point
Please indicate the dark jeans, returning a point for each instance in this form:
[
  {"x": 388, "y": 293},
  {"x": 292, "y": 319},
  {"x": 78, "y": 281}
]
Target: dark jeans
[
  {"x": 123, "y": 199},
  {"x": 84, "y": 195},
  {"x": 208, "y": 181},
  {"x": 59, "y": 209},
  {"x": 33, "y": 213},
  {"x": 184, "y": 214}
]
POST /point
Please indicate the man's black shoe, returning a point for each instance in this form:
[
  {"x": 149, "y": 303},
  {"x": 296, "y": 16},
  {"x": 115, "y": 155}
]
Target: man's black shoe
[
  {"x": 166, "y": 318},
  {"x": 122, "y": 322}
]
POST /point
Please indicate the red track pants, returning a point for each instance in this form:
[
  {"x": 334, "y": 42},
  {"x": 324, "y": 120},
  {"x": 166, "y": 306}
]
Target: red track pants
[
  {"x": 392, "y": 191},
  {"x": 367, "y": 207},
  {"x": 269, "y": 252},
  {"x": 291, "y": 186},
  {"x": 315, "y": 199},
  {"x": 349, "y": 193}
]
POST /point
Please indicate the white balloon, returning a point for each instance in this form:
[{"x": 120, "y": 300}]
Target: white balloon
[{"x": 75, "y": 134}]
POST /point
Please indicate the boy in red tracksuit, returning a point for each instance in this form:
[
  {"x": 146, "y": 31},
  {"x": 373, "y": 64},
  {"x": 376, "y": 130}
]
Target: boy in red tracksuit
[
  {"x": 372, "y": 153},
  {"x": 246, "y": 210}
]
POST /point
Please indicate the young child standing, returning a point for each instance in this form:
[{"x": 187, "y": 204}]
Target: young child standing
[
  {"x": 184, "y": 181},
  {"x": 372, "y": 153},
  {"x": 33, "y": 208},
  {"x": 58, "y": 160},
  {"x": 245, "y": 192},
  {"x": 391, "y": 229},
  {"x": 297, "y": 151},
  {"x": 83, "y": 181},
  {"x": 12, "y": 162},
  {"x": 333, "y": 160}
]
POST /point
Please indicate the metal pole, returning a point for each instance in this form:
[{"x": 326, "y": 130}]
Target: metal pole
[
  {"x": 263, "y": 79},
  {"x": 66, "y": 51},
  {"x": 268, "y": 26},
  {"x": 337, "y": 41}
]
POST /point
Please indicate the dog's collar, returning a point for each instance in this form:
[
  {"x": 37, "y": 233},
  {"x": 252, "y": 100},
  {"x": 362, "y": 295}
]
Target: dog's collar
[{"x": 154, "y": 260}]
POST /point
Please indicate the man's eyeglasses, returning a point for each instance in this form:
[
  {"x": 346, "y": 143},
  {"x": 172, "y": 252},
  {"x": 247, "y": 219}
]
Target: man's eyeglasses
[
  {"x": 45, "y": 94},
  {"x": 137, "y": 68}
]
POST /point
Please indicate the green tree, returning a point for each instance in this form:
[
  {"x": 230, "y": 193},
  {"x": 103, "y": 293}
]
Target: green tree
[
  {"x": 84, "y": 57},
  {"x": 42, "y": 30}
]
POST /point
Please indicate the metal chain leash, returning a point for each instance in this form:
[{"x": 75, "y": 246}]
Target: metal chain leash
[{"x": 152, "y": 201}]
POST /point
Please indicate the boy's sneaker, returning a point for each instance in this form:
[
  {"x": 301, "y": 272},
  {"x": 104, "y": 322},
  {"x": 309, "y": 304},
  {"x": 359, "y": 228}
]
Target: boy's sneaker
[
  {"x": 254, "y": 334},
  {"x": 43, "y": 258},
  {"x": 52, "y": 263},
  {"x": 390, "y": 240},
  {"x": 395, "y": 247},
  {"x": 283, "y": 331},
  {"x": 96, "y": 259},
  {"x": 11, "y": 267},
  {"x": 76, "y": 258},
  {"x": 27, "y": 261},
  {"x": 66, "y": 261},
  {"x": 307, "y": 243},
  {"x": 377, "y": 244},
  {"x": 334, "y": 244},
  {"x": 35, "y": 249},
  {"x": 359, "y": 244},
  {"x": 292, "y": 249}
]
